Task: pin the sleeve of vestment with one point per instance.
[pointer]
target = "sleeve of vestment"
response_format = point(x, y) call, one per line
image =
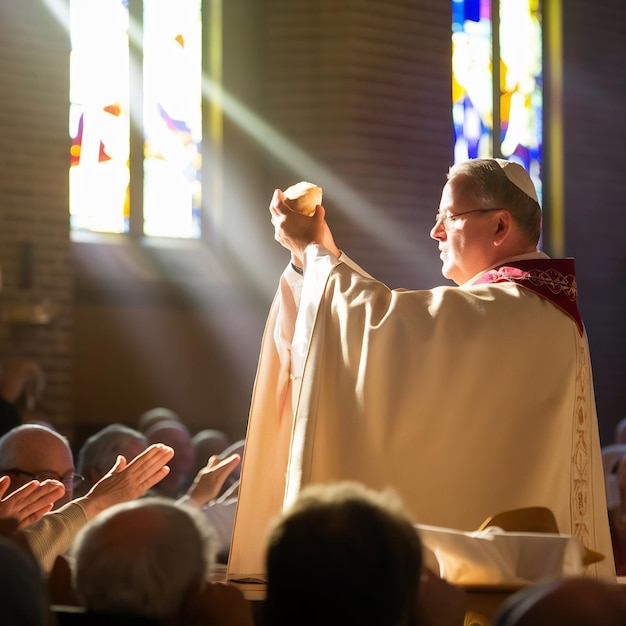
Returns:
point(53, 534)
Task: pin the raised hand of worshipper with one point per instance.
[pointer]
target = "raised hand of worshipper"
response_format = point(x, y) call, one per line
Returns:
point(209, 480)
point(30, 502)
point(127, 481)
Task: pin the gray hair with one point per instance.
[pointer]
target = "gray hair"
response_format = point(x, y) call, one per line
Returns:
point(141, 558)
point(100, 451)
point(491, 188)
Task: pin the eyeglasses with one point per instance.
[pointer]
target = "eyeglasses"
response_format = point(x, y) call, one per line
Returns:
point(70, 479)
point(447, 219)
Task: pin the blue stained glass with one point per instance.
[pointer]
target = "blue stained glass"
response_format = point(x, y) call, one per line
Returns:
point(472, 10)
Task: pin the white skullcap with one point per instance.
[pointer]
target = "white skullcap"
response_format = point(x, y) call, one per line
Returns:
point(519, 177)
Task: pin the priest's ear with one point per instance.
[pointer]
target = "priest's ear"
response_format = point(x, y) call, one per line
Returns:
point(502, 226)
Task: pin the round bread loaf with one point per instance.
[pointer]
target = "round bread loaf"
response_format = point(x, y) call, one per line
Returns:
point(303, 197)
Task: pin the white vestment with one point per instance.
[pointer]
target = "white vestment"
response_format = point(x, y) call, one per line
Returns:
point(467, 401)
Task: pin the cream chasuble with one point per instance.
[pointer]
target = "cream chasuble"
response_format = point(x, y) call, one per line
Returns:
point(467, 401)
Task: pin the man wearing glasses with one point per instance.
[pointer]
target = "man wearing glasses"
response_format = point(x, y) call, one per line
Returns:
point(467, 400)
point(33, 452)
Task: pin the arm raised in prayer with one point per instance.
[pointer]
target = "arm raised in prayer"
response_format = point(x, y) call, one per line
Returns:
point(127, 480)
point(209, 480)
point(30, 502)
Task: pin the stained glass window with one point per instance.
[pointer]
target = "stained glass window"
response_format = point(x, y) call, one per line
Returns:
point(509, 32)
point(167, 122)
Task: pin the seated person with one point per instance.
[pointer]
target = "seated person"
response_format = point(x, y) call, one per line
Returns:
point(175, 434)
point(154, 416)
point(35, 452)
point(614, 466)
point(28, 503)
point(571, 601)
point(344, 554)
point(21, 592)
point(99, 452)
point(152, 559)
point(205, 444)
point(218, 506)
point(32, 451)
point(22, 384)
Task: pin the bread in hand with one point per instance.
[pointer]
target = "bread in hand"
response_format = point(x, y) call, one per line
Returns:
point(303, 197)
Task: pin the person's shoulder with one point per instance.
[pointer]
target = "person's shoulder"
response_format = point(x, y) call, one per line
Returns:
point(9, 416)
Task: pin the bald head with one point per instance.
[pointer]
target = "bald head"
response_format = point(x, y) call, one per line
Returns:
point(32, 450)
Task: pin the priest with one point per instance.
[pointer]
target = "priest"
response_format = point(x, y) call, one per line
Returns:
point(468, 400)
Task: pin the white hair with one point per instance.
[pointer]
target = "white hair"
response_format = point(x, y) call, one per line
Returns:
point(142, 558)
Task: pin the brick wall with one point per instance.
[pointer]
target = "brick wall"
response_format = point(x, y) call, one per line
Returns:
point(34, 241)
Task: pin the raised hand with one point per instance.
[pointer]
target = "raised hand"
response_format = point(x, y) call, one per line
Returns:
point(30, 502)
point(127, 481)
point(209, 480)
point(295, 231)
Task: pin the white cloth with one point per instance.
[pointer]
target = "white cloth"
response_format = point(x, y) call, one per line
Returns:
point(495, 557)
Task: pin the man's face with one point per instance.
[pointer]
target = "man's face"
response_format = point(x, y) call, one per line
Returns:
point(41, 452)
point(465, 242)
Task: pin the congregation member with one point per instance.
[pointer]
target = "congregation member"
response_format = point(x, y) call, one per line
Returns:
point(152, 560)
point(468, 400)
point(33, 452)
point(22, 594)
point(30, 502)
point(614, 465)
point(205, 444)
point(344, 554)
point(99, 452)
point(155, 415)
point(22, 382)
point(567, 602)
point(176, 435)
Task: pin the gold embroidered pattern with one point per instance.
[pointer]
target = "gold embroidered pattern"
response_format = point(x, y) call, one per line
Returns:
point(581, 465)
point(554, 281)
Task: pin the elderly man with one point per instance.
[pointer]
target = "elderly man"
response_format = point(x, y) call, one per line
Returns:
point(32, 452)
point(151, 559)
point(467, 400)
point(97, 455)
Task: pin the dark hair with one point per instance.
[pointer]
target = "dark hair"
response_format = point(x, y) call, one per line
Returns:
point(342, 554)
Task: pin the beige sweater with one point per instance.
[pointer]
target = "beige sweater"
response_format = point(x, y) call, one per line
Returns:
point(54, 533)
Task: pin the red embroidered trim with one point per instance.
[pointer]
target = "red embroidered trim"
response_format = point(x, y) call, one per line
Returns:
point(552, 279)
